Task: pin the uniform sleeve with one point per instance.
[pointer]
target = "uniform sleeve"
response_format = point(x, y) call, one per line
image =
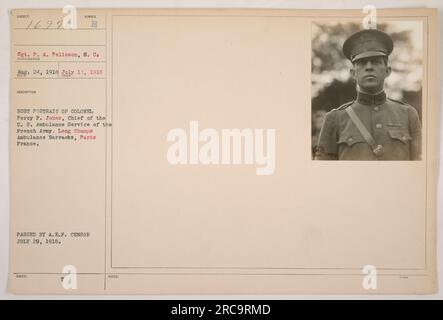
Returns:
point(327, 148)
point(415, 131)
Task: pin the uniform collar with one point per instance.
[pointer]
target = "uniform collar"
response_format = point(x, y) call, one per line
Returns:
point(371, 99)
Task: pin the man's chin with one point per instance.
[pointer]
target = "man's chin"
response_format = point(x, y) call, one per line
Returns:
point(370, 87)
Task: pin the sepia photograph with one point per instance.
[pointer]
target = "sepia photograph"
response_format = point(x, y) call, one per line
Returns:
point(159, 152)
point(366, 91)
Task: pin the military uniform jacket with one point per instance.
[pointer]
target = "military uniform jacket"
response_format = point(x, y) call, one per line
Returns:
point(393, 125)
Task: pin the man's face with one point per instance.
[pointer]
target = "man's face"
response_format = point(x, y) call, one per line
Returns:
point(370, 73)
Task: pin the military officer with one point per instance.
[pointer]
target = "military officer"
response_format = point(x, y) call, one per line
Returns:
point(372, 127)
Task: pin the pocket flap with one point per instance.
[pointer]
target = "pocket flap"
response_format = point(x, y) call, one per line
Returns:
point(401, 135)
point(351, 139)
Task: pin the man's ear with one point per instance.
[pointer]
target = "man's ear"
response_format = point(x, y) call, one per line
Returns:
point(388, 71)
point(352, 72)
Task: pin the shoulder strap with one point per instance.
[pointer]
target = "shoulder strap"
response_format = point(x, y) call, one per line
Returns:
point(344, 105)
point(398, 101)
point(376, 148)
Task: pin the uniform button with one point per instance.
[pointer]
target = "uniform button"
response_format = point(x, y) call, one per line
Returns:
point(376, 108)
point(378, 126)
point(350, 139)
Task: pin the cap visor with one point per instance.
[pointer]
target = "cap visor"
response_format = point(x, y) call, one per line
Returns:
point(368, 54)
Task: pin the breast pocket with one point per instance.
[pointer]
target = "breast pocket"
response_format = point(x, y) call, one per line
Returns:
point(350, 138)
point(400, 135)
point(399, 146)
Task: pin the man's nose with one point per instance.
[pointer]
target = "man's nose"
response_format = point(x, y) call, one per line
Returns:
point(368, 65)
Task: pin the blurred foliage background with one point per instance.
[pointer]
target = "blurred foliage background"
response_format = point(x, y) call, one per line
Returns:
point(332, 84)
